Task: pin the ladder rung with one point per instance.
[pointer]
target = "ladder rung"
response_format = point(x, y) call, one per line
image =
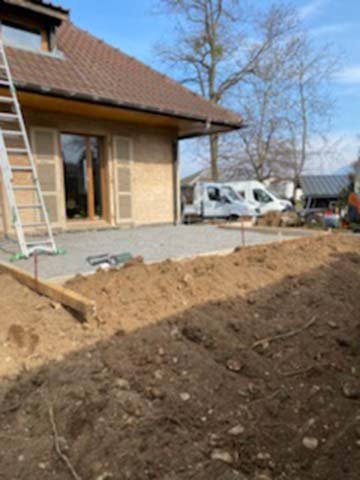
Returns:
point(29, 206)
point(24, 187)
point(36, 224)
point(20, 168)
point(8, 117)
point(13, 133)
point(45, 242)
point(16, 150)
point(7, 99)
point(4, 82)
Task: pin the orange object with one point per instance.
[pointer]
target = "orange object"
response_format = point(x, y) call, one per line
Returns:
point(354, 201)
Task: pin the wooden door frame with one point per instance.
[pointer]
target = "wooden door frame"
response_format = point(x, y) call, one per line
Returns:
point(89, 172)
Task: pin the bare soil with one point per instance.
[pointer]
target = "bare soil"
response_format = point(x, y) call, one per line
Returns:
point(239, 367)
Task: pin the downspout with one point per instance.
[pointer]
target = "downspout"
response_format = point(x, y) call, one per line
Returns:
point(176, 183)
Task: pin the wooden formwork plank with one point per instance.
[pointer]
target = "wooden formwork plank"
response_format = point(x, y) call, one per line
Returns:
point(68, 298)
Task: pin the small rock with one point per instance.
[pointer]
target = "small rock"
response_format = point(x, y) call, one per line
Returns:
point(122, 384)
point(187, 279)
point(42, 466)
point(222, 456)
point(161, 352)
point(332, 325)
point(351, 390)
point(175, 333)
point(234, 365)
point(237, 430)
point(21, 458)
point(263, 456)
point(311, 443)
point(262, 476)
point(155, 393)
point(105, 476)
point(158, 374)
point(185, 397)
point(63, 444)
point(40, 306)
point(55, 305)
point(215, 440)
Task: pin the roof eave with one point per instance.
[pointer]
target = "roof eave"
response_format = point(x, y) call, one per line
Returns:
point(211, 126)
point(59, 14)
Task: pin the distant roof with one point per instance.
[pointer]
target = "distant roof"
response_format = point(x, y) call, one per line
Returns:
point(225, 175)
point(91, 70)
point(323, 185)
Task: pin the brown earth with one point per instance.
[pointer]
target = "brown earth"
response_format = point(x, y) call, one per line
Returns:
point(174, 380)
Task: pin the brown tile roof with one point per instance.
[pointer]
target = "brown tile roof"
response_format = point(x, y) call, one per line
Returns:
point(92, 70)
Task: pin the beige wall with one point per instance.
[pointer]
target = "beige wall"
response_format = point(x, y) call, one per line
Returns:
point(152, 164)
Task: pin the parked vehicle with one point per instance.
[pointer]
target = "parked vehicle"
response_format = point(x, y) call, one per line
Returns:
point(256, 194)
point(215, 200)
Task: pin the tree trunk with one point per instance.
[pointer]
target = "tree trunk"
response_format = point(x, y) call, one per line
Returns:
point(214, 151)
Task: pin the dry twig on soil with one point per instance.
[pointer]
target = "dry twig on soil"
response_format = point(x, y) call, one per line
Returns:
point(58, 450)
point(284, 336)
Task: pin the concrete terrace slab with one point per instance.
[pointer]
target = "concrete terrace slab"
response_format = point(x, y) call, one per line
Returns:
point(152, 243)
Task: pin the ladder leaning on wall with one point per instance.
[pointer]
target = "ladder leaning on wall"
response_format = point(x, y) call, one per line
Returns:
point(20, 179)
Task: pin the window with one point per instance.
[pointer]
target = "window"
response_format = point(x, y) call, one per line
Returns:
point(241, 193)
point(261, 196)
point(82, 175)
point(230, 194)
point(214, 194)
point(19, 36)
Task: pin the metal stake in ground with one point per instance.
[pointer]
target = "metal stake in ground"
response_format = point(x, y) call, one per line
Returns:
point(243, 233)
point(36, 266)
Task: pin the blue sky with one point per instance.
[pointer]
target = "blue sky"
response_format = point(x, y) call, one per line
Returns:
point(133, 26)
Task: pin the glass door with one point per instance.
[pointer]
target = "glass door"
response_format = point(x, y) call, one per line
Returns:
point(82, 176)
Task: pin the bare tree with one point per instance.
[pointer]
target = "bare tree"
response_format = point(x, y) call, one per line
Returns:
point(219, 44)
point(287, 106)
point(309, 104)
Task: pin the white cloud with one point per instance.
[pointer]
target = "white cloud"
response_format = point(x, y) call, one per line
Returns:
point(312, 8)
point(331, 29)
point(349, 75)
point(341, 150)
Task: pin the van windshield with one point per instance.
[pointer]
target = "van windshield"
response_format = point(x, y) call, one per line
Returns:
point(231, 194)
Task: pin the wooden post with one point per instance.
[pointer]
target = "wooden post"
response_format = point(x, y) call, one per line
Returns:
point(85, 307)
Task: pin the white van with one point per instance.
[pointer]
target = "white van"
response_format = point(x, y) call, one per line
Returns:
point(257, 194)
point(216, 200)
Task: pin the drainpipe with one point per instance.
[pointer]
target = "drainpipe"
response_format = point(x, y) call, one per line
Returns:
point(176, 183)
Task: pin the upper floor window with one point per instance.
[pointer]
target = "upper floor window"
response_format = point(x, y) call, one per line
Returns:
point(19, 36)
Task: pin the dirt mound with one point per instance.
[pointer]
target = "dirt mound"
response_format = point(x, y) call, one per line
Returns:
point(280, 219)
point(255, 377)
point(135, 297)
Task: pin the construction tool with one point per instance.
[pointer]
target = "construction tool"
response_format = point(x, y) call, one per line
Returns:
point(15, 132)
point(110, 260)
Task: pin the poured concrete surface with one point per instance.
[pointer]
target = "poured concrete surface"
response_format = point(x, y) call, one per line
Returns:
point(152, 243)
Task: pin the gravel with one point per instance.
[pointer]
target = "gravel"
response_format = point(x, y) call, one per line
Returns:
point(152, 243)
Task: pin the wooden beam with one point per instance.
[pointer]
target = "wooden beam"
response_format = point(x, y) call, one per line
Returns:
point(85, 307)
point(90, 180)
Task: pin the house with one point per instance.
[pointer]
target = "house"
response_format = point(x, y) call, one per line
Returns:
point(104, 128)
point(226, 174)
point(322, 191)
